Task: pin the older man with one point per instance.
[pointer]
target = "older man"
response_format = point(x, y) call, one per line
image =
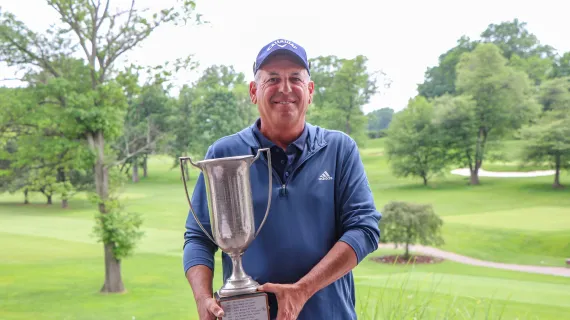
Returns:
point(322, 221)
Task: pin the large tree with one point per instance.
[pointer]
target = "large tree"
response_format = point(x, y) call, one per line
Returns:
point(503, 101)
point(342, 88)
point(440, 79)
point(412, 143)
point(103, 35)
point(548, 140)
point(518, 45)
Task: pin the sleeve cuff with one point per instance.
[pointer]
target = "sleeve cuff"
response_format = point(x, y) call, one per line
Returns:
point(360, 242)
point(195, 254)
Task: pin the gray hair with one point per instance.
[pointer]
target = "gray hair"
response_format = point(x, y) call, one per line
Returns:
point(256, 77)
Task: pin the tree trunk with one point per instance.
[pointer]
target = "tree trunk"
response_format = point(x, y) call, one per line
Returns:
point(145, 164)
point(135, 170)
point(474, 176)
point(48, 199)
point(479, 150)
point(407, 253)
point(26, 200)
point(556, 183)
point(425, 180)
point(113, 280)
point(61, 178)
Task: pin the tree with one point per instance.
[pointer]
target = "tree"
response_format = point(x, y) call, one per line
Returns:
point(440, 79)
point(412, 143)
point(379, 120)
point(503, 99)
point(216, 105)
point(405, 223)
point(561, 67)
point(343, 87)
point(513, 38)
point(103, 37)
point(549, 139)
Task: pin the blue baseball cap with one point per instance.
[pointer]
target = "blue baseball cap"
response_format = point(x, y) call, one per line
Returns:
point(281, 45)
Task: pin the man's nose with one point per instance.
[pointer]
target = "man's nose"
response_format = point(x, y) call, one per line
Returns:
point(285, 86)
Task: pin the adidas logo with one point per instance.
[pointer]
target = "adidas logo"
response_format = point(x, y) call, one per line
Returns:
point(325, 176)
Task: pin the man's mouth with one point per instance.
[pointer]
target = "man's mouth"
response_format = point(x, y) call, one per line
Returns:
point(283, 102)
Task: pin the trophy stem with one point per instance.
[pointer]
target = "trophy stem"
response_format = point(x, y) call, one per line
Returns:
point(238, 282)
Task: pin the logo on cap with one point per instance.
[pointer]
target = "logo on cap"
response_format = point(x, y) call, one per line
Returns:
point(281, 43)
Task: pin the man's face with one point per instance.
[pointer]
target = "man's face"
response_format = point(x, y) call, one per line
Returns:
point(282, 92)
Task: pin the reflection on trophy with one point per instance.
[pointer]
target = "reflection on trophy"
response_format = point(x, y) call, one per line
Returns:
point(232, 222)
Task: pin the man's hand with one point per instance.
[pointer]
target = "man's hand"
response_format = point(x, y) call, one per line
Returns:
point(290, 299)
point(208, 309)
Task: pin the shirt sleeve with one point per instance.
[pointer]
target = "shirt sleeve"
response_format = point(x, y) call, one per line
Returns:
point(198, 248)
point(358, 215)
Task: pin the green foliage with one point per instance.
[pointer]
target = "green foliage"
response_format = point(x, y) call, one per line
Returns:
point(413, 145)
point(380, 119)
point(548, 140)
point(440, 79)
point(406, 223)
point(119, 228)
point(503, 102)
point(342, 88)
point(217, 105)
point(517, 45)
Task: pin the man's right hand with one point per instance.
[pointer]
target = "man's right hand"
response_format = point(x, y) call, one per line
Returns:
point(209, 309)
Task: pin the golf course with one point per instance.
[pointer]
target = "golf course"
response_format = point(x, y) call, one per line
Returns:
point(51, 267)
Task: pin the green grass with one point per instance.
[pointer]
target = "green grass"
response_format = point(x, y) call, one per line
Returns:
point(51, 268)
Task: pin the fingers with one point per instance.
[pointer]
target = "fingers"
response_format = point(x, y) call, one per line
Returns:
point(215, 309)
point(268, 287)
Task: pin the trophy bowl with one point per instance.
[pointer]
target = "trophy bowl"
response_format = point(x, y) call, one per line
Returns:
point(230, 206)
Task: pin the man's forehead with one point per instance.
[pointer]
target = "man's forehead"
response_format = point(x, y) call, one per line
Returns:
point(283, 63)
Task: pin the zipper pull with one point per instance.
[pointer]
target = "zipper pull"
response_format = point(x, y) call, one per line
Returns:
point(283, 190)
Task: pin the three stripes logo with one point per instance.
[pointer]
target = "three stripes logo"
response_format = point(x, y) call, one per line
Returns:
point(325, 176)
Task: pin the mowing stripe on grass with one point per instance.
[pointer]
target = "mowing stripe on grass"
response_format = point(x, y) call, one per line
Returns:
point(166, 242)
point(542, 218)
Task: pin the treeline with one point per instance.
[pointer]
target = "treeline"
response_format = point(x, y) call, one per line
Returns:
point(505, 85)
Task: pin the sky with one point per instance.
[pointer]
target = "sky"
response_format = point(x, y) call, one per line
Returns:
point(400, 38)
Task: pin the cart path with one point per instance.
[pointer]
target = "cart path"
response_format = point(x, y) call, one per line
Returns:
point(555, 271)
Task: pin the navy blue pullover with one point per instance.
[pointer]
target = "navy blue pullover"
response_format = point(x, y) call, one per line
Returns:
point(326, 199)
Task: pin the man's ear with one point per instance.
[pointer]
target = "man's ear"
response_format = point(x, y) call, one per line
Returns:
point(253, 92)
point(311, 91)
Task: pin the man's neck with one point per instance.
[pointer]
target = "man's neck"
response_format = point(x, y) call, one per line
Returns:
point(282, 136)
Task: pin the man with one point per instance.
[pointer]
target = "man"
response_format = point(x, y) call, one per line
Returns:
point(322, 220)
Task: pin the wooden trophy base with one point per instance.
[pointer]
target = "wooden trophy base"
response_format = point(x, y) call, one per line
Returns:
point(253, 306)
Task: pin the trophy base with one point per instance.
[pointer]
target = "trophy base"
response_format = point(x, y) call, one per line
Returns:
point(235, 287)
point(252, 306)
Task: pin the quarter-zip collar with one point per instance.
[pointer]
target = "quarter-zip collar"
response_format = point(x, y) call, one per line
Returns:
point(315, 138)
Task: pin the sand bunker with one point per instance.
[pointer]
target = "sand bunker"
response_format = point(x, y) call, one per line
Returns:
point(482, 173)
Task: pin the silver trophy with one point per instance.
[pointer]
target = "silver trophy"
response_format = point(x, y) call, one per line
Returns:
point(230, 207)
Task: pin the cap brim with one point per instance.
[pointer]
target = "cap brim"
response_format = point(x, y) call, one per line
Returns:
point(284, 51)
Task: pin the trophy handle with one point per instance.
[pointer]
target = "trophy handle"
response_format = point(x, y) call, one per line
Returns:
point(182, 159)
point(270, 185)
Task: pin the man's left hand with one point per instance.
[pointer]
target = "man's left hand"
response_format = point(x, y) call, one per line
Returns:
point(290, 299)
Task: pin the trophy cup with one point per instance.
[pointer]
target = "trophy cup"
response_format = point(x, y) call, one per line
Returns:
point(230, 207)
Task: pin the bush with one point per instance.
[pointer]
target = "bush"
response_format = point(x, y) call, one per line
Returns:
point(410, 223)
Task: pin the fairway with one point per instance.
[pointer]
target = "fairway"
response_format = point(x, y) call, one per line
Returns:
point(541, 218)
point(52, 268)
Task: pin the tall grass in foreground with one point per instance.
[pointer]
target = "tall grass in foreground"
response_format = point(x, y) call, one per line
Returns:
point(398, 298)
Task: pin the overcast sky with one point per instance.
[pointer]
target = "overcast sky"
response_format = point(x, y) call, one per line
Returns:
point(402, 38)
